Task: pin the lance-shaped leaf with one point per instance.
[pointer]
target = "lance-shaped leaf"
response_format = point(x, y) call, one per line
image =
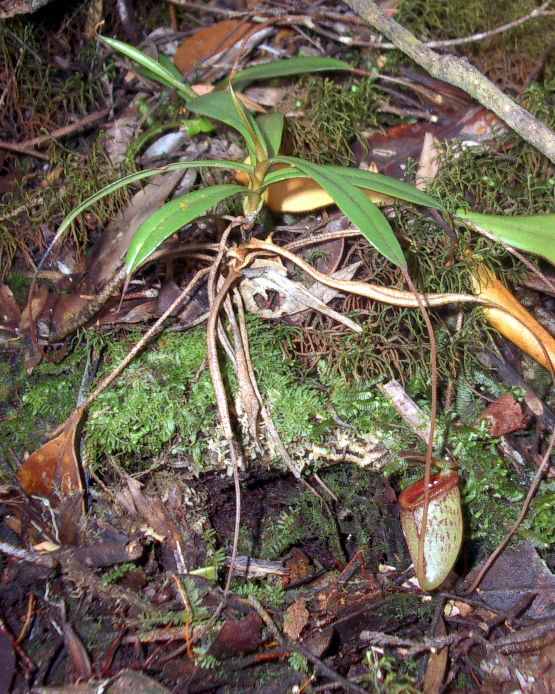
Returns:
point(534, 234)
point(290, 66)
point(358, 208)
point(171, 217)
point(134, 178)
point(154, 69)
point(220, 106)
point(386, 185)
point(271, 127)
point(261, 148)
point(283, 174)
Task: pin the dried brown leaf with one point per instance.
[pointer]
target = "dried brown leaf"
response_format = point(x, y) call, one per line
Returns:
point(210, 43)
point(54, 469)
point(296, 618)
point(437, 664)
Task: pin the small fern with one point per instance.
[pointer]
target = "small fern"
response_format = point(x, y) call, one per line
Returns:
point(117, 572)
point(204, 659)
point(267, 593)
point(298, 662)
point(285, 531)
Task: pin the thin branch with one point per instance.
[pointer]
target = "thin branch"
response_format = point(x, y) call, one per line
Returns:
point(60, 132)
point(138, 347)
point(22, 149)
point(541, 11)
point(460, 73)
point(32, 557)
point(291, 645)
point(533, 488)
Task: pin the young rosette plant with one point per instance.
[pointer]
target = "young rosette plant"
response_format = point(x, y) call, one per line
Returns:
point(351, 189)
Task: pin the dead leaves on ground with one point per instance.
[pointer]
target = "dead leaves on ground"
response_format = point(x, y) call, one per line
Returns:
point(54, 469)
point(215, 42)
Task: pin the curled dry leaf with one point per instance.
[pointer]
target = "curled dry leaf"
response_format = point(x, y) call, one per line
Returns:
point(210, 44)
point(514, 322)
point(54, 469)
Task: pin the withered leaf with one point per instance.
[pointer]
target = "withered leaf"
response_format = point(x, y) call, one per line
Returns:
point(54, 469)
point(296, 618)
point(208, 44)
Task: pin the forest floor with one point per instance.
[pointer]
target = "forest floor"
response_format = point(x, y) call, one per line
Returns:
point(147, 545)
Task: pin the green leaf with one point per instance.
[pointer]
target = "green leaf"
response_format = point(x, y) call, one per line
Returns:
point(387, 186)
point(171, 217)
point(169, 65)
point(261, 148)
point(282, 175)
point(367, 180)
point(195, 126)
point(220, 106)
point(155, 69)
point(359, 209)
point(134, 178)
point(290, 66)
point(271, 127)
point(534, 234)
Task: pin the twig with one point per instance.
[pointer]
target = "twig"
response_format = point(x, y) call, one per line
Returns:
point(541, 11)
point(460, 73)
point(414, 647)
point(532, 638)
point(26, 46)
point(407, 408)
point(138, 347)
point(533, 488)
point(25, 659)
point(92, 307)
point(21, 149)
point(32, 557)
point(60, 132)
point(286, 643)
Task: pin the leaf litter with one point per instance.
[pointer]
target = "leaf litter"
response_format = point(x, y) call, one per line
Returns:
point(181, 526)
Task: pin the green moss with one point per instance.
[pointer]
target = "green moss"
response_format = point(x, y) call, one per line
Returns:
point(507, 58)
point(37, 404)
point(158, 399)
point(5, 380)
point(400, 606)
point(334, 115)
point(159, 404)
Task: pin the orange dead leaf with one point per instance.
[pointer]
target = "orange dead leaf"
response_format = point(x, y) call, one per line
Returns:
point(37, 303)
point(437, 665)
point(220, 37)
point(515, 323)
point(54, 467)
